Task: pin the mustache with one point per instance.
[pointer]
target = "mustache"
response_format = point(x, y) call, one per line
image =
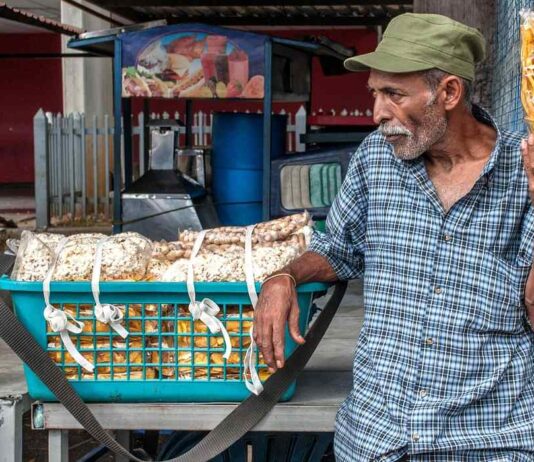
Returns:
point(387, 130)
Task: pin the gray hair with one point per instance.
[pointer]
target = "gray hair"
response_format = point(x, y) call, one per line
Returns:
point(433, 77)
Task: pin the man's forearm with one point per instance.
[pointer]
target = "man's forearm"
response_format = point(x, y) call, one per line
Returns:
point(310, 266)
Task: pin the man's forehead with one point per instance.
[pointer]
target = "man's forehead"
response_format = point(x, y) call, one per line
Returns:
point(378, 79)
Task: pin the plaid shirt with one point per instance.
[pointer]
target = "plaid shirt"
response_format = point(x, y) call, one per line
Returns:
point(445, 358)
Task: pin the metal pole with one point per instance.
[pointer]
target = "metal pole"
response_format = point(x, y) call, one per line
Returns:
point(11, 412)
point(188, 123)
point(106, 165)
point(267, 108)
point(146, 138)
point(128, 158)
point(58, 445)
point(117, 112)
point(141, 144)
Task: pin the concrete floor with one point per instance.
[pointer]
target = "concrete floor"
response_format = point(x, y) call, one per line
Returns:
point(17, 203)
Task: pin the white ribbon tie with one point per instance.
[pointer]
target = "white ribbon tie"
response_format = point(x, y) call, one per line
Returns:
point(206, 310)
point(105, 313)
point(58, 320)
point(254, 384)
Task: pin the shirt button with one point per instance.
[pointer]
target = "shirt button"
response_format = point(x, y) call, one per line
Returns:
point(447, 237)
point(422, 393)
point(437, 290)
point(429, 341)
point(415, 437)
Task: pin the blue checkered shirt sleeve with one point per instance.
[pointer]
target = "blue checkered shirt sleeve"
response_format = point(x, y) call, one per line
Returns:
point(343, 241)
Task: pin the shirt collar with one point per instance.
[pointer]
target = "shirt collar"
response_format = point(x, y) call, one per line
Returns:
point(484, 116)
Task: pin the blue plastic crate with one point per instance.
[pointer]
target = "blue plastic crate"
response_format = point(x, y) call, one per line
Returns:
point(148, 366)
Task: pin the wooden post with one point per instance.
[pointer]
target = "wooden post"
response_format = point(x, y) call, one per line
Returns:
point(40, 154)
point(300, 128)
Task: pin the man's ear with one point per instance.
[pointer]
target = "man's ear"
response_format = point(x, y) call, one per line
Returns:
point(453, 91)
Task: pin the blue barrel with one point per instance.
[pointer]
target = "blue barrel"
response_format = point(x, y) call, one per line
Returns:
point(237, 162)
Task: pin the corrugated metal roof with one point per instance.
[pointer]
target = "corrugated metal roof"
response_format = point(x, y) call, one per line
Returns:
point(257, 12)
point(42, 22)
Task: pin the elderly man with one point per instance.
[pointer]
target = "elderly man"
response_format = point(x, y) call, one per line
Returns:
point(435, 214)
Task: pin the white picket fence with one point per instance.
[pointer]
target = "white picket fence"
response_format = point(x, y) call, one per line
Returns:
point(73, 155)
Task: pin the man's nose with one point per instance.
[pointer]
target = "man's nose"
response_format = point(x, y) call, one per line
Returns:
point(381, 112)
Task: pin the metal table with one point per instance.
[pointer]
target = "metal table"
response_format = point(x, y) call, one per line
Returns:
point(322, 386)
point(14, 402)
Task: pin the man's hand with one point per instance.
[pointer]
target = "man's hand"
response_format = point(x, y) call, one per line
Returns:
point(277, 304)
point(527, 151)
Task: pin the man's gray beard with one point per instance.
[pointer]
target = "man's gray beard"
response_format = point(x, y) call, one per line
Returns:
point(431, 130)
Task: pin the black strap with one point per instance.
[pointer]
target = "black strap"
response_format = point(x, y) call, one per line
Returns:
point(242, 419)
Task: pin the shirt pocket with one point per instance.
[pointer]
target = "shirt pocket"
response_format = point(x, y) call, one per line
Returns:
point(498, 296)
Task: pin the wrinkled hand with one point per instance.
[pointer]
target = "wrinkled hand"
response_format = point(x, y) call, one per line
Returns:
point(529, 301)
point(527, 151)
point(277, 304)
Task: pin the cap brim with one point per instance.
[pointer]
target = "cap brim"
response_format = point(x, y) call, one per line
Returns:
point(384, 62)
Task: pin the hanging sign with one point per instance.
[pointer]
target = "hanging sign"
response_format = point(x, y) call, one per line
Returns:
point(193, 61)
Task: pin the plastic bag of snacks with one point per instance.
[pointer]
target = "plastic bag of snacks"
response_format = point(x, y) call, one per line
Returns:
point(124, 256)
point(221, 257)
point(132, 257)
point(527, 66)
point(76, 258)
point(34, 255)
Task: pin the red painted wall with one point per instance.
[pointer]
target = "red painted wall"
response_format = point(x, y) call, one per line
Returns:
point(26, 85)
point(30, 84)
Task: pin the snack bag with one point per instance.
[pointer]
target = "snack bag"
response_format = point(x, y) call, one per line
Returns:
point(34, 256)
point(527, 66)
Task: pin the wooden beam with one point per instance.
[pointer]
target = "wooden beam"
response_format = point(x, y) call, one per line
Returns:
point(31, 19)
point(237, 3)
point(94, 13)
point(286, 20)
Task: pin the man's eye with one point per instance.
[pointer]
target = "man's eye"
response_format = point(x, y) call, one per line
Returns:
point(394, 96)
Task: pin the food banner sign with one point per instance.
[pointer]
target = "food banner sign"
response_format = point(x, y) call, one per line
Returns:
point(192, 61)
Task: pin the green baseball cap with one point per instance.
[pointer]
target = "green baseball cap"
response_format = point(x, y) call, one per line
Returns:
point(417, 42)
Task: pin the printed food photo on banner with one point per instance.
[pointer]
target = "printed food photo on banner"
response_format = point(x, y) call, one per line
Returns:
point(193, 64)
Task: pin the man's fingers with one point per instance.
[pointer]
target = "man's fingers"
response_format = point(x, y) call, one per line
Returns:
point(294, 322)
point(278, 343)
point(530, 313)
point(526, 157)
point(257, 326)
point(267, 345)
point(527, 150)
point(527, 153)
